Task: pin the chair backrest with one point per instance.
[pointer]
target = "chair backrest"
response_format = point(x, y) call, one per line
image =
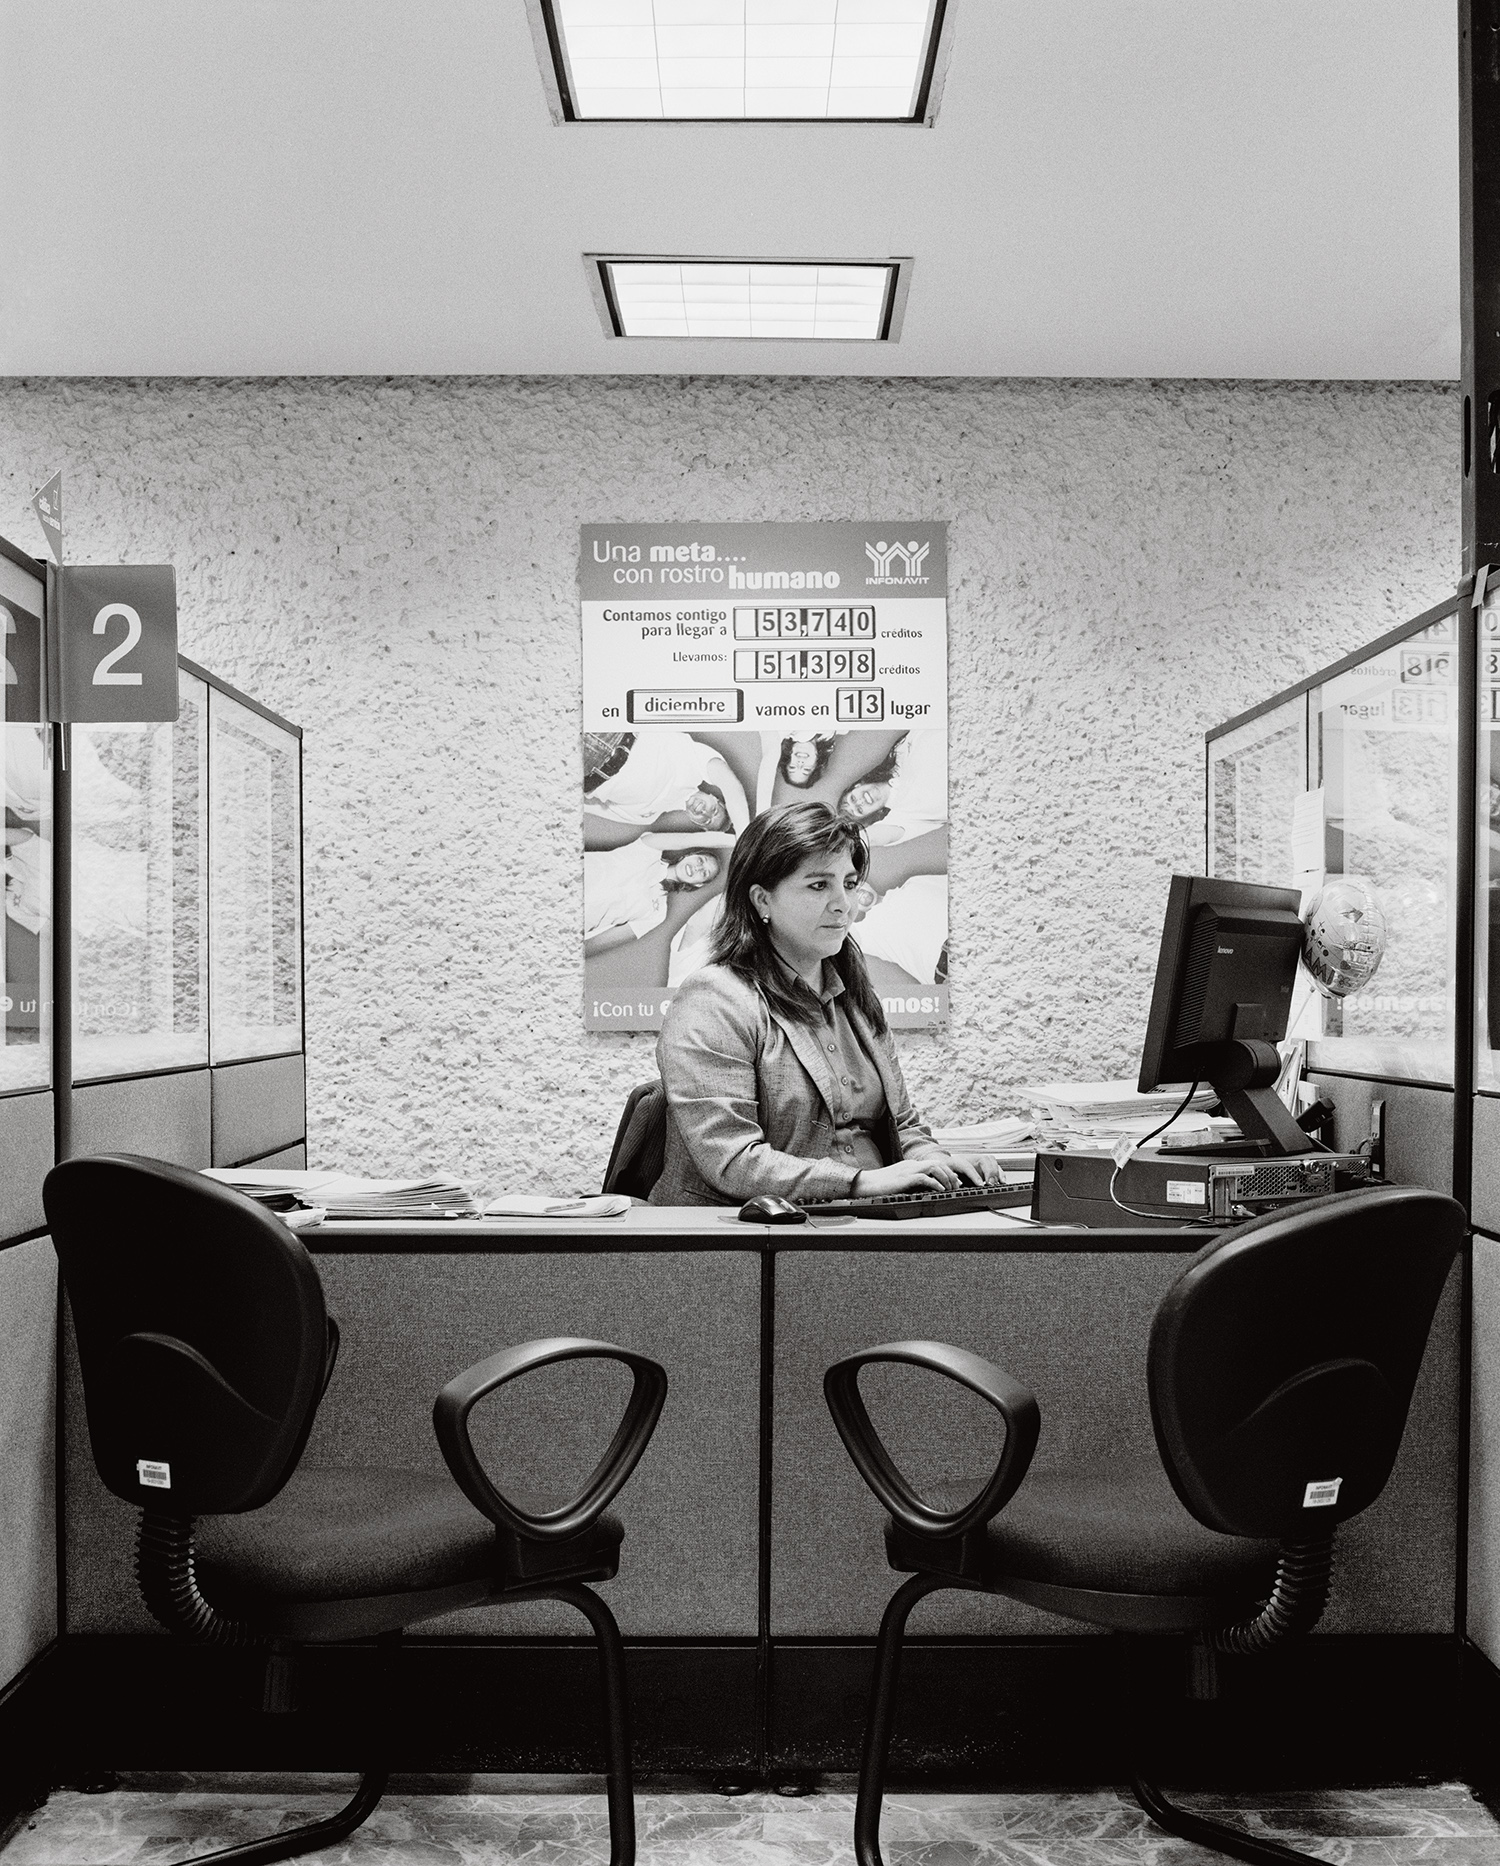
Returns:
point(640, 1149)
point(202, 1334)
point(1282, 1360)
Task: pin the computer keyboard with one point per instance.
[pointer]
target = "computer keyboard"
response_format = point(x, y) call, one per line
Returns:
point(922, 1204)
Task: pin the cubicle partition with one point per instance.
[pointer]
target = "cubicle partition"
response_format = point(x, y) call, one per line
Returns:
point(1385, 769)
point(180, 934)
point(28, 1269)
point(152, 1003)
point(753, 1577)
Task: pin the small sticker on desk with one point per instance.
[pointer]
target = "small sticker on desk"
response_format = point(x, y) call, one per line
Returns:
point(1185, 1192)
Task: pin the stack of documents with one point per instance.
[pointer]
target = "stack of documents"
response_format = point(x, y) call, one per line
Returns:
point(1097, 1114)
point(1004, 1134)
point(342, 1195)
point(538, 1205)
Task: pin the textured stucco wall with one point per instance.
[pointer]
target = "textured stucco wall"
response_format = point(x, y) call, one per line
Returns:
point(391, 563)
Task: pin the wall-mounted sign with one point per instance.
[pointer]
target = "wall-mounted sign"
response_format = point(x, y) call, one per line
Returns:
point(728, 669)
point(112, 656)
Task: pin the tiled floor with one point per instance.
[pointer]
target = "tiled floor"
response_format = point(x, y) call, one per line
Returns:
point(506, 1819)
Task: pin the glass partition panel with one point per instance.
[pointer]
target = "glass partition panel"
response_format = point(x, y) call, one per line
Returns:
point(139, 893)
point(256, 933)
point(1255, 775)
point(1487, 929)
point(26, 924)
point(1385, 750)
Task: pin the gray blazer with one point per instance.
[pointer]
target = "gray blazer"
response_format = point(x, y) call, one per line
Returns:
point(750, 1099)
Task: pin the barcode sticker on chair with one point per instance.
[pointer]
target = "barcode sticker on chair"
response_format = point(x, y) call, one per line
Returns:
point(153, 1476)
point(1321, 1496)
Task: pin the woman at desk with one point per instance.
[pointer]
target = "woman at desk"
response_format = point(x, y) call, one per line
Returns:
point(778, 1065)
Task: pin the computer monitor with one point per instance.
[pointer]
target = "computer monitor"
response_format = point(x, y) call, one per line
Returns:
point(1224, 978)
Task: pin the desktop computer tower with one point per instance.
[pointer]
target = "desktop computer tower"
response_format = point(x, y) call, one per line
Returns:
point(1073, 1187)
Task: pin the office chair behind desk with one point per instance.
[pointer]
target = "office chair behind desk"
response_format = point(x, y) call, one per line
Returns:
point(205, 1349)
point(1280, 1371)
point(640, 1150)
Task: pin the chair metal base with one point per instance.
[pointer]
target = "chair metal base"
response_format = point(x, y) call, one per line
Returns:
point(877, 1745)
point(1207, 1833)
point(619, 1786)
point(618, 1782)
point(287, 1845)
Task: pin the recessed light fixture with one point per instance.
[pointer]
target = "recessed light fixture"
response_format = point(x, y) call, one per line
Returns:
point(741, 60)
point(855, 301)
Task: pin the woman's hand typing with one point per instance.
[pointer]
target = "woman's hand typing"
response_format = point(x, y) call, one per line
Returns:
point(930, 1174)
point(980, 1169)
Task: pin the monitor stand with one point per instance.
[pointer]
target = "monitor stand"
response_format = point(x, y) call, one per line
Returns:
point(1243, 1073)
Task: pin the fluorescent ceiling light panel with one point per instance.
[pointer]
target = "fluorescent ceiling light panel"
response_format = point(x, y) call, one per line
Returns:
point(738, 60)
point(740, 298)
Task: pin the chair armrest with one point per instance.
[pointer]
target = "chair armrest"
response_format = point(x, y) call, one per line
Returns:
point(450, 1421)
point(1014, 1403)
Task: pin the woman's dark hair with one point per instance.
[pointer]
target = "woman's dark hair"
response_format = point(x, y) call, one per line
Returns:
point(822, 744)
point(775, 845)
point(673, 856)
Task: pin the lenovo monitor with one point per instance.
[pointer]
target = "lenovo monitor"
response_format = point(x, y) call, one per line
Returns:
point(1223, 993)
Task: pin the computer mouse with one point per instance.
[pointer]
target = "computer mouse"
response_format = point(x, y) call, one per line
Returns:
point(767, 1209)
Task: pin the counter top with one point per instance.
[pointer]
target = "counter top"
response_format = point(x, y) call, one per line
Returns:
point(711, 1228)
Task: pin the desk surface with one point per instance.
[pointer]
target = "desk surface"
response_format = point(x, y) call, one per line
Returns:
point(703, 1227)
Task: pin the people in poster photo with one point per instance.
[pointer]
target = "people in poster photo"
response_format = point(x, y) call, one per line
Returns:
point(662, 810)
point(628, 891)
point(659, 780)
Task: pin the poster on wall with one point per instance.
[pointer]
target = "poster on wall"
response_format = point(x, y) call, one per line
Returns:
point(729, 669)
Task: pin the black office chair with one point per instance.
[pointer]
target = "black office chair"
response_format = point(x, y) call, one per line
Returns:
point(1280, 1371)
point(640, 1149)
point(205, 1349)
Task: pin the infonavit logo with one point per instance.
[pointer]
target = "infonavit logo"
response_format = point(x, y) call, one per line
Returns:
point(885, 558)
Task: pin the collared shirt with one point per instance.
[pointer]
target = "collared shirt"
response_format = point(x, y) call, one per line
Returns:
point(859, 1098)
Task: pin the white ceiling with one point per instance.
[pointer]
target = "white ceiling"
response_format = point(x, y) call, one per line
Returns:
point(1251, 188)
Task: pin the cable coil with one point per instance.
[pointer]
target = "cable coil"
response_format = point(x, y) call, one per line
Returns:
point(169, 1586)
point(1303, 1573)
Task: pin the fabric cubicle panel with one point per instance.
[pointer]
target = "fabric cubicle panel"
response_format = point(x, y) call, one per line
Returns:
point(259, 1108)
point(409, 1323)
point(1074, 1327)
point(26, 1143)
point(1418, 1125)
point(1483, 1617)
point(1485, 1203)
point(28, 1387)
point(166, 1117)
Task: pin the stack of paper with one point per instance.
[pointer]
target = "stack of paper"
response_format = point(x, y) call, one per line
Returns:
point(1097, 1114)
point(537, 1205)
point(342, 1195)
point(1001, 1135)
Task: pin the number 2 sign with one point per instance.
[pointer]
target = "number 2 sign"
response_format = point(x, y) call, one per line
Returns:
point(114, 652)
